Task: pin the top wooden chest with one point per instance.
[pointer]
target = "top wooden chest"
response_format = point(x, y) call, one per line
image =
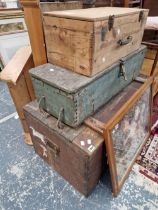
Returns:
point(88, 41)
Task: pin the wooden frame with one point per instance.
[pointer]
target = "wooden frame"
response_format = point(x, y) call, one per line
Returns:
point(16, 75)
point(106, 130)
point(33, 19)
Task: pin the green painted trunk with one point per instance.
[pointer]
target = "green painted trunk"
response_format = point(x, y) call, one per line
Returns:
point(79, 96)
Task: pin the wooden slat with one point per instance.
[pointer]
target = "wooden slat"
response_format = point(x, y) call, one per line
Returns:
point(14, 68)
point(30, 3)
point(10, 13)
point(30, 88)
point(20, 95)
point(155, 85)
point(59, 6)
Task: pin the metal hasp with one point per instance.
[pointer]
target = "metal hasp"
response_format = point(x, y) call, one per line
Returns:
point(111, 22)
point(141, 16)
point(123, 70)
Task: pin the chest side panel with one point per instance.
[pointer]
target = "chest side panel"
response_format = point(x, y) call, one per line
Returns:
point(54, 100)
point(69, 43)
point(126, 30)
point(80, 167)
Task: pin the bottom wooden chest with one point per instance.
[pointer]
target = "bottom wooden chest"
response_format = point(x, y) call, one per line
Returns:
point(76, 154)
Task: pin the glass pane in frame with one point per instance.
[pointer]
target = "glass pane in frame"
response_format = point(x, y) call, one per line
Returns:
point(130, 133)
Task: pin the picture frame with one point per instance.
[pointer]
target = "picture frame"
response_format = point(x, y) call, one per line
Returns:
point(125, 123)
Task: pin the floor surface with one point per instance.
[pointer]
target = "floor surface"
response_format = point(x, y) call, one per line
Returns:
point(28, 183)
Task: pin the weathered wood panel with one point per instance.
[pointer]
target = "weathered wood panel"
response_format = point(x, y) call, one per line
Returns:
point(33, 19)
point(58, 6)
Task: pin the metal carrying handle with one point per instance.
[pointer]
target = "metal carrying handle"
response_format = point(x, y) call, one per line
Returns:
point(126, 41)
point(61, 114)
point(40, 108)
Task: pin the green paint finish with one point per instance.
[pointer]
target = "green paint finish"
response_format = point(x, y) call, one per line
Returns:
point(81, 96)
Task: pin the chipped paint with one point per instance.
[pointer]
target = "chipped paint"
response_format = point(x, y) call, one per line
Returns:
point(38, 135)
point(82, 143)
point(44, 150)
point(89, 141)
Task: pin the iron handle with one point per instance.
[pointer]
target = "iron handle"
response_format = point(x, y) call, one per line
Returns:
point(126, 41)
point(42, 98)
point(59, 121)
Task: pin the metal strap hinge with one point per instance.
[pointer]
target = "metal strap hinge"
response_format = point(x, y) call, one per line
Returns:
point(111, 22)
point(141, 16)
point(123, 70)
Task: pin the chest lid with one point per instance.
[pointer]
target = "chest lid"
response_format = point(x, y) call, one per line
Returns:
point(94, 14)
point(69, 81)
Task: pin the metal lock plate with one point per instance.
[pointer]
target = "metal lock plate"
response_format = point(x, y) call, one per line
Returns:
point(53, 148)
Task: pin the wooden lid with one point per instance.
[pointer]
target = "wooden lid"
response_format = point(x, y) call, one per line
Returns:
point(94, 14)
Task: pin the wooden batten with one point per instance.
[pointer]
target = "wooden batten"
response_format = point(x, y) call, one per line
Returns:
point(33, 21)
point(18, 62)
point(16, 75)
point(56, 6)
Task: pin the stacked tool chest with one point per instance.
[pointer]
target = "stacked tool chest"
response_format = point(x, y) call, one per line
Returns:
point(89, 93)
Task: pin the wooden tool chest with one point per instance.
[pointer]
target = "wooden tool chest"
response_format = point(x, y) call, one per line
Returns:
point(73, 97)
point(88, 41)
point(76, 154)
